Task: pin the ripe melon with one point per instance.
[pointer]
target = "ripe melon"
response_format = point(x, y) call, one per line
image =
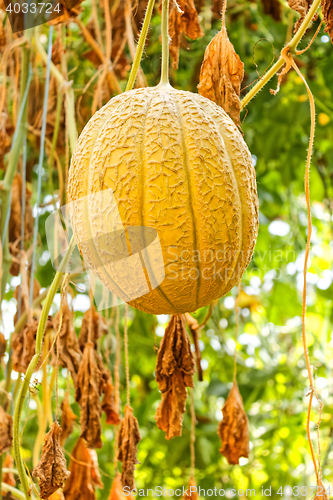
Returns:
point(177, 163)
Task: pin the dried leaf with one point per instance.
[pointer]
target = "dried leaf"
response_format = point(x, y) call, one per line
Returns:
point(191, 494)
point(14, 228)
point(195, 332)
point(17, 294)
point(52, 468)
point(108, 401)
point(186, 22)
point(321, 494)
point(84, 476)
point(23, 345)
point(327, 9)
point(87, 392)
point(128, 439)
point(6, 431)
point(8, 477)
point(221, 75)
point(234, 428)
point(272, 8)
point(70, 355)
point(92, 319)
point(302, 7)
point(174, 372)
point(3, 345)
point(68, 418)
point(68, 10)
point(117, 492)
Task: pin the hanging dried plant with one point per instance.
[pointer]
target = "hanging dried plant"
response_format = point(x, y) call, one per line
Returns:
point(107, 389)
point(17, 294)
point(221, 74)
point(128, 439)
point(183, 18)
point(93, 319)
point(87, 392)
point(191, 494)
point(3, 345)
point(84, 476)
point(327, 9)
point(272, 8)
point(14, 228)
point(51, 469)
point(23, 345)
point(6, 431)
point(117, 492)
point(302, 7)
point(195, 332)
point(70, 355)
point(68, 419)
point(174, 372)
point(234, 428)
point(321, 493)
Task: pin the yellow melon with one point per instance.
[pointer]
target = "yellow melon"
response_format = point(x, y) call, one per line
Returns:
point(177, 163)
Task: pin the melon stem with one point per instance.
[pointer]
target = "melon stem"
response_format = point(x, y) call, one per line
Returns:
point(165, 43)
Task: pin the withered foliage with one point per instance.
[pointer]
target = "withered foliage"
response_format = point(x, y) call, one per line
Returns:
point(69, 9)
point(17, 294)
point(68, 418)
point(83, 467)
point(195, 332)
point(272, 8)
point(92, 319)
point(174, 372)
point(23, 345)
point(302, 7)
point(6, 431)
point(191, 494)
point(128, 439)
point(327, 9)
point(321, 491)
point(87, 392)
point(8, 477)
point(70, 355)
point(221, 75)
point(52, 468)
point(3, 345)
point(14, 228)
point(6, 126)
point(185, 22)
point(107, 389)
point(234, 428)
point(117, 492)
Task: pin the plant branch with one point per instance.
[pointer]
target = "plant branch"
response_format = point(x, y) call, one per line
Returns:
point(281, 61)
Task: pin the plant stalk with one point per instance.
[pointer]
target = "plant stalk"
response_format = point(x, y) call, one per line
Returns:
point(281, 61)
point(165, 43)
point(141, 44)
point(31, 368)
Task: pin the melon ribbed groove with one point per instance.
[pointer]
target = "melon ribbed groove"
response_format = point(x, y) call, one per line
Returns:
point(190, 200)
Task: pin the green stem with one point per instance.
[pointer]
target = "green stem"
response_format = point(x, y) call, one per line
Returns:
point(165, 43)
point(31, 368)
point(140, 47)
point(280, 62)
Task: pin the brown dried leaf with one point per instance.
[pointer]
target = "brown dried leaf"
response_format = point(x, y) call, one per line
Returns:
point(128, 439)
point(36, 291)
point(108, 401)
point(272, 8)
point(8, 477)
point(117, 492)
point(327, 9)
point(52, 468)
point(191, 494)
point(23, 345)
point(14, 228)
point(179, 23)
point(87, 392)
point(302, 7)
point(234, 428)
point(68, 418)
point(174, 372)
point(92, 319)
point(84, 476)
point(321, 494)
point(69, 9)
point(70, 355)
point(221, 75)
point(195, 332)
point(6, 431)
point(3, 345)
